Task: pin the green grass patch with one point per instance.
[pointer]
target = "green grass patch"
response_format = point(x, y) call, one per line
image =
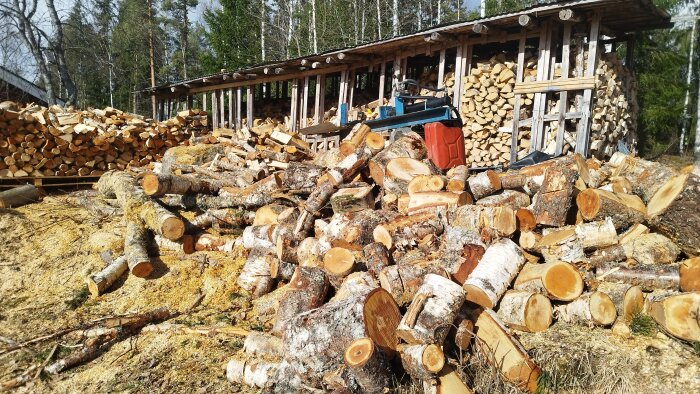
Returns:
point(643, 324)
point(79, 297)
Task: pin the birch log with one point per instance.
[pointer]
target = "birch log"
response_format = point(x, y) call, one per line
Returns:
point(422, 362)
point(496, 270)
point(251, 373)
point(628, 299)
point(557, 280)
point(136, 244)
point(157, 185)
point(368, 365)
point(99, 283)
point(409, 145)
point(525, 311)
point(255, 276)
point(673, 211)
point(403, 280)
point(624, 209)
point(593, 308)
point(308, 288)
point(678, 315)
point(484, 184)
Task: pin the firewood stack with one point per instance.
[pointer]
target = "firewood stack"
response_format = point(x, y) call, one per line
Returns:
point(487, 110)
point(368, 263)
point(38, 141)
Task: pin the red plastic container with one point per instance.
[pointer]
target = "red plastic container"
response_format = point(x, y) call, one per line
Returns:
point(445, 145)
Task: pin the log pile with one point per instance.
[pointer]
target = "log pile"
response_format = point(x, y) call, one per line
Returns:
point(367, 263)
point(38, 141)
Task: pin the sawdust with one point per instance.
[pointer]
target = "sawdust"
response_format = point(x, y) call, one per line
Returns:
point(47, 249)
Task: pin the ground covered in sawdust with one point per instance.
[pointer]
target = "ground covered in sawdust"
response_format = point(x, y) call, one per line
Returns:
point(47, 249)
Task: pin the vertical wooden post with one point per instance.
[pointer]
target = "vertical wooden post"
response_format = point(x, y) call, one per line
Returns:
point(563, 95)
point(239, 108)
point(214, 110)
point(204, 102)
point(515, 132)
point(305, 103)
point(294, 105)
point(285, 87)
point(395, 79)
point(382, 81)
point(441, 70)
point(320, 98)
point(467, 51)
point(249, 105)
point(190, 102)
point(583, 130)
point(222, 109)
point(351, 94)
point(230, 108)
point(342, 87)
point(457, 88)
point(540, 101)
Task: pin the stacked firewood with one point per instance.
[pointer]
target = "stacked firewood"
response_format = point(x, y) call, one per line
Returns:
point(38, 141)
point(367, 262)
point(487, 110)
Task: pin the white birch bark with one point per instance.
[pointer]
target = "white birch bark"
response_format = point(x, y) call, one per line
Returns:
point(496, 270)
point(395, 18)
point(313, 25)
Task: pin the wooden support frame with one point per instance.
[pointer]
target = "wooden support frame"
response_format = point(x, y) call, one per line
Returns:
point(249, 105)
point(441, 69)
point(230, 108)
point(214, 109)
point(204, 101)
point(294, 106)
point(320, 98)
point(540, 100)
point(222, 109)
point(564, 95)
point(515, 133)
point(583, 129)
point(382, 82)
point(305, 103)
point(239, 108)
point(342, 87)
point(457, 89)
point(351, 93)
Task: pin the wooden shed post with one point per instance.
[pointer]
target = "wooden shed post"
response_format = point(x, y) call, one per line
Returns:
point(239, 108)
point(190, 102)
point(342, 87)
point(305, 103)
point(395, 79)
point(540, 101)
point(230, 108)
point(515, 131)
point(320, 98)
point(457, 89)
point(204, 101)
point(441, 70)
point(382, 81)
point(351, 94)
point(214, 110)
point(249, 105)
point(583, 129)
point(222, 108)
point(563, 95)
point(294, 105)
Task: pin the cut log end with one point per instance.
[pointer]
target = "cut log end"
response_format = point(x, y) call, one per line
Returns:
point(173, 228)
point(359, 352)
point(382, 316)
point(374, 141)
point(477, 296)
point(150, 184)
point(602, 308)
point(141, 269)
point(690, 274)
point(338, 261)
point(563, 282)
point(433, 358)
point(666, 195)
point(538, 313)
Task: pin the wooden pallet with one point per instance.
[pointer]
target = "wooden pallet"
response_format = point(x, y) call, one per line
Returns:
point(56, 182)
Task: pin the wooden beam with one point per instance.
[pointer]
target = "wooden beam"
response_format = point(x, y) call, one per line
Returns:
point(239, 108)
point(342, 87)
point(305, 103)
point(515, 133)
point(539, 103)
point(480, 28)
point(555, 85)
point(351, 94)
point(564, 95)
point(204, 102)
point(382, 81)
point(320, 98)
point(441, 70)
point(249, 105)
point(214, 109)
point(230, 108)
point(457, 89)
point(527, 21)
point(294, 106)
point(568, 15)
point(583, 129)
point(222, 108)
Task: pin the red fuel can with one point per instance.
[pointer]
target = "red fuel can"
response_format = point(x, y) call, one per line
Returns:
point(445, 144)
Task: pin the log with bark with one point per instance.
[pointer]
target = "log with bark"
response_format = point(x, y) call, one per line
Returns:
point(592, 308)
point(624, 209)
point(307, 290)
point(368, 365)
point(557, 280)
point(422, 361)
point(157, 185)
point(673, 211)
point(484, 184)
point(646, 177)
point(255, 276)
point(403, 280)
point(553, 200)
point(496, 270)
point(409, 145)
point(18, 196)
point(525, 311)
point(678, 315)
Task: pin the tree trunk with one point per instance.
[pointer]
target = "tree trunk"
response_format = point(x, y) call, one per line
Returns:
point(338, 263)
point(355, 283)
point(525, 311)
point(434, 307)
point(152, 53)
point(255, 275)
point(256, 195)
point(496, 270)
point(309, 287)
point(425, 183)
point(673, 212)
point(352, 199)
point(422, 200)
point(646, 177)
point(301, 176)
point(409, 145)
point(647, 249)
point(594, 308)
point(557, 280)
point(18, 196)
point(399, 172)
point(99, 283)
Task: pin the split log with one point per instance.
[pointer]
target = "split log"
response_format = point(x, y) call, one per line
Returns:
point(405, 230)
point(422, 361)
point(400, 171)
point(315, 341)
point(525, 311)
point(355, 141)
point(553, 200)
point(265, 307)
point(18, 196)
point(376, 256)
point(624, 209)
point(596, 235)
point(258, 374)
point(434, 307)
point(254, 196)
point(525, 219)
point(557, 280)
point(282, 270)
point(673, 211)
point(301, 176)
point(99, 283)
point(403, 280)
point(136, 243)
point(338, 263)
point(461, 250)
point(262, 344)
point(135, 203)
point(352, 199)
point(255, 275)
point(593, 308)
point(689, 271)
point(647, 277)
point(490, 222)
point(504, 352)
point(646, 177)
point(633, 232)
point(258, 237)
point(422, 200)
point(509, 198)
point(375, 142)
point(267, 214)
point(157, 185)
point(628, 299)
point(496, 270)
point(562, 245)
point(368, 365)
point(409, 145)
point(355, 283)
point(678, 315)
point(648, 249)
point(309, 253)
point(484, 184)
point(447, 382)
point(425, 183)
point(353, 228)
point(457, 178)
point(308, 288)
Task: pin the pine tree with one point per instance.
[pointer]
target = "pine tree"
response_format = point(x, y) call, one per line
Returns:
point(233, 35)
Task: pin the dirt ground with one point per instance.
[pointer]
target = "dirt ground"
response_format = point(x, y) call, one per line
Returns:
point(47, 250)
